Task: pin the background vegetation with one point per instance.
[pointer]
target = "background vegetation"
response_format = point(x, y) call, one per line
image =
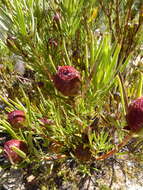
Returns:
point(103, 40)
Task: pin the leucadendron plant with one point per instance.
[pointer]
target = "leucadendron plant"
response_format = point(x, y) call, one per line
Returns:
point(79, 94)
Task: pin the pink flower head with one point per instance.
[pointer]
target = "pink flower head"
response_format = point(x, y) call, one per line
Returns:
point(46, 121)
point(16, 117)
point(10, 153)
point(57, 17)
point(135, 115)
point(67, 80)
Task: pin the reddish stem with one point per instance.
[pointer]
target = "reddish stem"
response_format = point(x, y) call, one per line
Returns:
point(126, 139)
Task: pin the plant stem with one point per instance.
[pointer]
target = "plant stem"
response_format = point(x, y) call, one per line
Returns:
point(126, 139)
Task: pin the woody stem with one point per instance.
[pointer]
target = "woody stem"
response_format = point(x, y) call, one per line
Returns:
point(126, 139)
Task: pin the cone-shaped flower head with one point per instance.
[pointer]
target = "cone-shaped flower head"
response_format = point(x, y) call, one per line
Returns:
point(16, 118)
point(10, 153)
point(67, 80)
point(135, 115)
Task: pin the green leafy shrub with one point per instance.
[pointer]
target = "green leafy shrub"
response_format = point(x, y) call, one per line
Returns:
point(99, 39)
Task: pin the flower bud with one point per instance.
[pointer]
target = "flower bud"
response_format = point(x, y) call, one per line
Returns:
point(82, 154)
point(16, 118)
point(40, 84)
point(135, 115)
point(46, 122)
point(52, 43)
point(57, 17)
point(10, 153)
point(67, 80)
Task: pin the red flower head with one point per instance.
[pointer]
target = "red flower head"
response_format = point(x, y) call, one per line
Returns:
point(16, 118)
point(135, 115)
point(10, 153)
point(67, 80)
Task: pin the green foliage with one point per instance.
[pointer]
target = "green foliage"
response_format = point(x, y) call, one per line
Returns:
point(100, 39)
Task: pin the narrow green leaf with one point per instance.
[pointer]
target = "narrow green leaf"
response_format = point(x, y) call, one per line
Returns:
point(9, 129)
point(8, 103)
point(20, 17)
point(122, 94)
point(140, 85)
point(19, 152)
point(66, 52)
